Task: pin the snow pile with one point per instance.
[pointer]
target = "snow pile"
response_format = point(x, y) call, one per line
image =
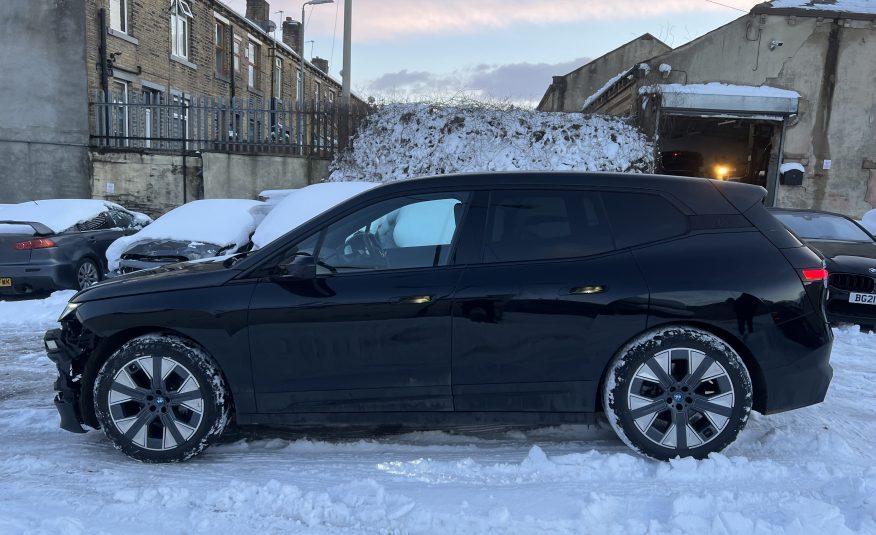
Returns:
point(718, 88)
point(227, 223)
point(840, 6)
point(58, 214)
point(302, 205)
point(665, 68)
point(402, 141)
point(869, 221)
point(33, 313)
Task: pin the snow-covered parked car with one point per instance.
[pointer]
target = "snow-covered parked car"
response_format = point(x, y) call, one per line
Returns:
point(59, 243)
point(301, 205)
point(869, 222)
point(193, 231)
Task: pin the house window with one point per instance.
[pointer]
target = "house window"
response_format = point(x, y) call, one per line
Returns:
point(181, 118)
point(331, 97)
point(180, 24)
point(152, 98)
point(119, 15)
point(119, 114)
point(317, 88)
point(278, 78)
point(253, 52)
point(236, 54)
point(220, 42)
point(298, 87)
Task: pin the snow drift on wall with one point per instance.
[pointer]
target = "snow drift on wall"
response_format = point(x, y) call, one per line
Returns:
point(409, 140)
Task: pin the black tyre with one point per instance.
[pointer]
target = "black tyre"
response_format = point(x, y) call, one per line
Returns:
point(88, 273)
point(677, 391)
point(160, 398)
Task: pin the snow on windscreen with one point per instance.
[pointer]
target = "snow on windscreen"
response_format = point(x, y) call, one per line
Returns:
point(822, 227)
point(302, 205)
point(57, 214)
point(222, 222)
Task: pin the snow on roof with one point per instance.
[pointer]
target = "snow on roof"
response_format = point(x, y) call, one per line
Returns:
point(57, 214)
point(717, 88)
point(302, 205)
point(223, 222)
point(599, 92)
point(841, 6)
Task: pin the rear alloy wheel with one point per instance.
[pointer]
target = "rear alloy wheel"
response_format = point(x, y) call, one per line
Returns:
point(161, 399)
point(678, 392)
point(87, 274)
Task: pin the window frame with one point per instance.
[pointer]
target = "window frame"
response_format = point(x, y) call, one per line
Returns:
point(221, 69)
point(487, 201)
point(268, 266)
point(278, 78)
point(236, 50)
point(123, 15)
point(253, 54)
point(180, 19)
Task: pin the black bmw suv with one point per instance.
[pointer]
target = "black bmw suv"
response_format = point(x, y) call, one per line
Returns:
point(675, 305)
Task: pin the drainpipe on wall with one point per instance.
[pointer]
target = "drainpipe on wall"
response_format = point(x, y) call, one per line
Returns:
point(104, 68)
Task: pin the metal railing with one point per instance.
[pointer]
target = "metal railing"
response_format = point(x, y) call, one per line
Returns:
point(154, 121)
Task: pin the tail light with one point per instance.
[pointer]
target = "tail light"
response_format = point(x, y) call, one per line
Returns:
point(36, 243)
point(814, 274)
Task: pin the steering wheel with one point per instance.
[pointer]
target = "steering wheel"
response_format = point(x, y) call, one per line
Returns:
point(365, 246)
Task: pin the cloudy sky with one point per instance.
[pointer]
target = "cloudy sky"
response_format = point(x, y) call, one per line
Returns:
point(502, 49)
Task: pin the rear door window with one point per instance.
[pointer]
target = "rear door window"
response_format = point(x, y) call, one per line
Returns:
point(639, 218)
point(101, 221)
point(545, 225)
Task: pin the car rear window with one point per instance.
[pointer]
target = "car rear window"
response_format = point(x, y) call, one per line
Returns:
point(544, 225)
point(813, 226)
point(638, 218)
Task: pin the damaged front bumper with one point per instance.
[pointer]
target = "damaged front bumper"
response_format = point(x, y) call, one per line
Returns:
point(67, 386)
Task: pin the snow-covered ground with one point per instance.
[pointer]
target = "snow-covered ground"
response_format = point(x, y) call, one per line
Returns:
point(410, 140)
point(811, 471)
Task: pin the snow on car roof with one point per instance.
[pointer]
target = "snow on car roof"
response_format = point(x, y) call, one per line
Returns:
point(303, 205)
point(222, 222)
point(57, 214)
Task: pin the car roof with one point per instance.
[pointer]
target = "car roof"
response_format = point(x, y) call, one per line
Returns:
point(699, 194)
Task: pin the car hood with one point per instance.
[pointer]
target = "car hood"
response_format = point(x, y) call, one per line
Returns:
point(847, 257)
point(182, 276)
point(163, 248)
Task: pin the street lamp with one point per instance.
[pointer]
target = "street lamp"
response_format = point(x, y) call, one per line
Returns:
point(301, 62)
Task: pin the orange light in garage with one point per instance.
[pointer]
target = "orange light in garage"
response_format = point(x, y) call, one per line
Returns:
point(722, 172)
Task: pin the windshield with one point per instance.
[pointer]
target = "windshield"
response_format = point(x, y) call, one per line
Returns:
point(812, 226)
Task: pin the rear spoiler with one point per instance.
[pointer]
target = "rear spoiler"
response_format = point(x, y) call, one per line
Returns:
point(38, 228)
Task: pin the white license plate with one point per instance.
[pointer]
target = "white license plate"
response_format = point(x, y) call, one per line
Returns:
point(862, 299)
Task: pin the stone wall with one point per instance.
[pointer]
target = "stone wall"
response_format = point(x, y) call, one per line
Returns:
point(44, 119)
point(153, 183)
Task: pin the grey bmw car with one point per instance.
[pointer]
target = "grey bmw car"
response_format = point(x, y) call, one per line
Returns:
point(59, 243)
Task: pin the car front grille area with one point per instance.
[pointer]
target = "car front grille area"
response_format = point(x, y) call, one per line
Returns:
point(853, 283)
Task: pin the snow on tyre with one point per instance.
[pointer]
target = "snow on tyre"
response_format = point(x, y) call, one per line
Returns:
point(677, 392)
point(160, 398)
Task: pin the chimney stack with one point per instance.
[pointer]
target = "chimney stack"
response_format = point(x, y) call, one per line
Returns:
point(258, 11)
point(321, 64)
point(292, 34)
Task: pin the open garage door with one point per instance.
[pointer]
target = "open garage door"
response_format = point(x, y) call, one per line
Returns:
point(721, 131)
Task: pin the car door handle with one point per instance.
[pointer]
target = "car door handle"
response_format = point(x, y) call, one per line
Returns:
point(415, 299)
point(587, 290)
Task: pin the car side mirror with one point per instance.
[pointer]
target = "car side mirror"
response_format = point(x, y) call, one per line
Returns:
point(301, 267)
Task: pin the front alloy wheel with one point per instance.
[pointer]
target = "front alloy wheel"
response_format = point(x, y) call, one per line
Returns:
point(678, 392)
point(160, 399)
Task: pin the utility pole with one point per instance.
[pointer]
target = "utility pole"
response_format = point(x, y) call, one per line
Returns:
point(348, 31)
